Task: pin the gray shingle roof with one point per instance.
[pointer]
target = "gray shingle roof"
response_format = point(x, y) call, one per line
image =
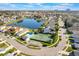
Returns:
point(76, 53)
point(76, 45)
point(76, 40)
point(75, 36)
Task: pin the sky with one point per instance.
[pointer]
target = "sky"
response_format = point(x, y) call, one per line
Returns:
point(39, 6)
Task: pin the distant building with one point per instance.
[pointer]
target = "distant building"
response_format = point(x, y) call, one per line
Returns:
point(68, 10)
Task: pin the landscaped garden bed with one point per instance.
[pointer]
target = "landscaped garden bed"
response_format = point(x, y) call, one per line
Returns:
point(41, 37)
point(8, 51)
point(45, 39)
point(21, 41)
point(69, 49)
point(22, 54)
point(33, 47)
point(3, 45)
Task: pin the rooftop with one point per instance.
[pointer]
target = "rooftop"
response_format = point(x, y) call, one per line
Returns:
point(76, 45)
point(76, 53)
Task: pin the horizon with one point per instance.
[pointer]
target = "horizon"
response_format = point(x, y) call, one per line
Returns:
point(40, 6)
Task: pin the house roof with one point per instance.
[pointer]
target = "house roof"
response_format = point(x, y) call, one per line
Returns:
point(24, 37)
point(76, 53)
point(76, 39)
point(76, 45)
point(75, 36)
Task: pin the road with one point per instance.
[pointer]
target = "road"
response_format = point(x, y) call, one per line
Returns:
point(44, 51)
point(24, 49)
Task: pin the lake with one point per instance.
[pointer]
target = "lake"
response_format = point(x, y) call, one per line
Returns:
point(29, 23)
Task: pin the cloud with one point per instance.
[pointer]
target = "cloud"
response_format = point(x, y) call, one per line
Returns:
point(13, 5)
point(36, 6)
point(66, 4)
point(33, 4)
point(7, 5)
point(62, 6)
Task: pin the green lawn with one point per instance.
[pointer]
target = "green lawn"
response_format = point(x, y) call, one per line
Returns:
point(70, 38)
point(38, 20)
point(9, 51)
point(45, 44)
point(41, 37)
point(56, 40)
point(70, 41)
point(12, 21)
point(20, 41)
point(45, 39)
point(22, 54)
point(34, 47)
point(69, 49)
point(3, 45)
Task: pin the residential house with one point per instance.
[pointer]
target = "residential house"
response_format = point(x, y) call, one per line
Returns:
point(24, 31)
point(48, 30)
point(74, 53)
point(75, 45)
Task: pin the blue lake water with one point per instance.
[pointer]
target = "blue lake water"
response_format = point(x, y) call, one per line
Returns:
point(29, 23)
